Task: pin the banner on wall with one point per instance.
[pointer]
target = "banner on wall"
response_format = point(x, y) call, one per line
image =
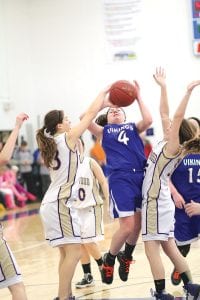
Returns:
point(196, 26)
point(121, 19)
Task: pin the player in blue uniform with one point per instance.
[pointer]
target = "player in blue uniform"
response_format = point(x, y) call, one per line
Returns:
point(185, 187)
point(125, 162)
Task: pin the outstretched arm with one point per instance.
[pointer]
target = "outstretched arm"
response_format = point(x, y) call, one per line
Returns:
point(146, 116)
point(172, 146)
point(98, 104)
point(160, 78)
point(7, 150)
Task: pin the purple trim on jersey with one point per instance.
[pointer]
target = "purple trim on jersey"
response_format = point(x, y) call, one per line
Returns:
point(4, 279)
point(58, 238)
point(12, 262)
point(94, 197)
point(170, 159)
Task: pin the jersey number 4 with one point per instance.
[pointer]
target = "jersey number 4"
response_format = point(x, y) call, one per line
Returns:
point(122, 138)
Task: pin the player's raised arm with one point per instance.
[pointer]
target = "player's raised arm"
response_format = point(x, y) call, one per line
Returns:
point(7, 150)
point(173, 142)
point(145, 113)
point(160, 79)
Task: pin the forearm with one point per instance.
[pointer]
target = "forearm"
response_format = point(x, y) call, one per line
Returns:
point(105, 190)
point(7, 150)
point(164, 107)
point(146, 117)
point(180, 111)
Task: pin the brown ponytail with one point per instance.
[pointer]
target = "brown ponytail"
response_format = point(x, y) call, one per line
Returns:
point(44, 136)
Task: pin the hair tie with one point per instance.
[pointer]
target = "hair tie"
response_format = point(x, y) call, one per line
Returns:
point(47, 134)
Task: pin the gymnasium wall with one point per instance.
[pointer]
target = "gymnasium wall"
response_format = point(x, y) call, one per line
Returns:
point(52, 55)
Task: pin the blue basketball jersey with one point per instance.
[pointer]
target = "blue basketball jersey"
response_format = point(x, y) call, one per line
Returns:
point(123, 147)
point(186, 178)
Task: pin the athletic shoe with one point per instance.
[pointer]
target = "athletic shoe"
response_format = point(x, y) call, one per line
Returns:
point(124, 265)
point(161, 296)
point(175, 277)
point(192, 289)
point(85, 282)
point(106, 271)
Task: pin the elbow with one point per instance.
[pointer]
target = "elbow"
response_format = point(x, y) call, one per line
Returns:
point(4, 161)
point(148, 122)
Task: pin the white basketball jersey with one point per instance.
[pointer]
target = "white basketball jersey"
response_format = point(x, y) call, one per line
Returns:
point(63, 171)
point(159, 169)
point(158, 207)
point(86, 187)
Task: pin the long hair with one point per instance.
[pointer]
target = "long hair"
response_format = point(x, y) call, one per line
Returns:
point(44, 136)
point(192, 146)
point(187, 131)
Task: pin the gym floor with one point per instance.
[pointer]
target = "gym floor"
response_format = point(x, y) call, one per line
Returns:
point(38, 262)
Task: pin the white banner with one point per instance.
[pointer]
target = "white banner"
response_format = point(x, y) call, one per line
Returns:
point(121, 19)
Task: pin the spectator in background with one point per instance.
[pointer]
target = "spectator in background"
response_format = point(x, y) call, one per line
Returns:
point(24, 160)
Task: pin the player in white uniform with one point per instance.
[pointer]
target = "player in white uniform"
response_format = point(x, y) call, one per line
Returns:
point(57, 143)
point(157, 207)
point(10, 275)
point(90, 179)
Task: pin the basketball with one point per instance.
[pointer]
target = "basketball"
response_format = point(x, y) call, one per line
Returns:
point(122, 93)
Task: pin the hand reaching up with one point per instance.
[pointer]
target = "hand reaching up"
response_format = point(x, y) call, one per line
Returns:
point(160, 77)
point(20, 119)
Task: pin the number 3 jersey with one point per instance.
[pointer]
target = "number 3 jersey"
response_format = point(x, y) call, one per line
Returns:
point(123, 147)
point(63, 171)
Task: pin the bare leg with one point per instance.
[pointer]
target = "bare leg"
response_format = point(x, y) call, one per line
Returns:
point(18, 291)
point(93, 250)
point(133, 237)
point(69, 257)
point(175, 256)
point(152, 250)
point(126, 227)
point(85, 257)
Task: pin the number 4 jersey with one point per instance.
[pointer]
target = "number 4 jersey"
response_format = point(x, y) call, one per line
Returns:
point(123, 147)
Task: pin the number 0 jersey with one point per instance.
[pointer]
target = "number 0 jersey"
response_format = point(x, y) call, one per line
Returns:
point(63, 171)
point(86, 187)
point(123, 147)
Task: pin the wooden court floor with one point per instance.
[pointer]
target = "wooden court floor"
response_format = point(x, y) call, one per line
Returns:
point(38, 261)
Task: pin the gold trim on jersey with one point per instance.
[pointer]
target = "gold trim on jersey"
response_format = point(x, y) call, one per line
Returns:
point(98, 213)
point(8, 265)
point(65, 219)
point(153, 194)
point(65, 189)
